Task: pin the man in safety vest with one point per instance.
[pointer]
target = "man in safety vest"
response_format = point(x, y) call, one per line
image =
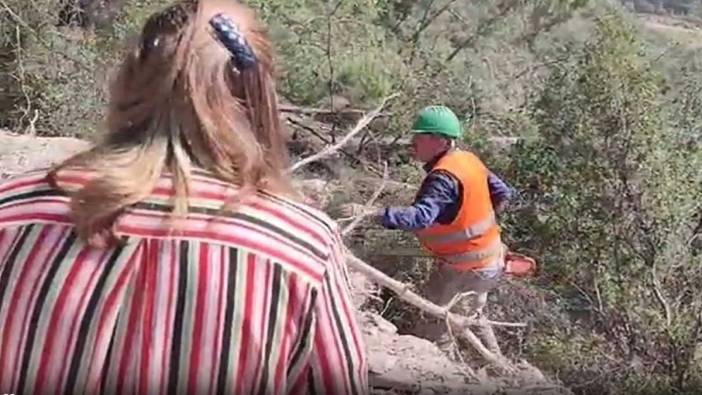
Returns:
point(453, 217)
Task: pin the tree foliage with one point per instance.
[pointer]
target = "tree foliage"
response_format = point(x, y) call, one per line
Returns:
point(613, 201)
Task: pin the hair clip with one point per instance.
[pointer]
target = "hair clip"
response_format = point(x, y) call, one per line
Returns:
point(228, 33)
point(147, 45)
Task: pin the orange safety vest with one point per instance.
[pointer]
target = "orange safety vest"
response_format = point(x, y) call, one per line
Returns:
point(472, 241)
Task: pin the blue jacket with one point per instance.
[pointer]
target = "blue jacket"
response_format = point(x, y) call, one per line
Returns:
point(438, 201)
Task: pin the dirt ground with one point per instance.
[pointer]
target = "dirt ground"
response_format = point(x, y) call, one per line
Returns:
point(21, 153)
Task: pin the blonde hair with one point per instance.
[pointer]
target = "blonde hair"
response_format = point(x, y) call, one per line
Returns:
point(177, 102)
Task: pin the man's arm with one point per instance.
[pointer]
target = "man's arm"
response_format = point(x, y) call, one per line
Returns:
point(500, 191)
point(440, 191)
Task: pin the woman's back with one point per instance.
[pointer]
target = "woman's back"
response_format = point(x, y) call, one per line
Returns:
point(247, 301)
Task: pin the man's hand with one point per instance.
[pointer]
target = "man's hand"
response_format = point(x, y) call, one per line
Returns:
point(355, 210)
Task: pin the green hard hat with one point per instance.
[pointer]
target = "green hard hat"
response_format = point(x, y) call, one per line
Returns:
point(439, 120)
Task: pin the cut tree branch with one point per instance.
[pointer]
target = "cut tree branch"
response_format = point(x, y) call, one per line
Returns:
point(459, 323)
point(369, 166)
point(330, 150)
point(404, 293)
point(288, 108)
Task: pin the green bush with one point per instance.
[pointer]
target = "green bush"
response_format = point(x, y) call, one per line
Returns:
point(611, 203)
point(58, 75)
point(358, 49)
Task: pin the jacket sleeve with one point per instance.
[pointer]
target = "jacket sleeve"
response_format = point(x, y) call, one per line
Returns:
point(439, 192)
point(500, 191)
point(335, 359)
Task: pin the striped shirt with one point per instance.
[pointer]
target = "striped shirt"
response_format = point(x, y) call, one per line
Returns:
point(251, 301)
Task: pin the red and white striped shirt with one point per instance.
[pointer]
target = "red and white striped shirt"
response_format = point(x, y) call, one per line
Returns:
point(252, 301)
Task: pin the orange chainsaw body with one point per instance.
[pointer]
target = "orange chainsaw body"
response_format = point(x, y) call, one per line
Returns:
point(518, 265)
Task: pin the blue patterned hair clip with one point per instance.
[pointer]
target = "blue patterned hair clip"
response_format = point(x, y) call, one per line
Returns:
point(231, 37)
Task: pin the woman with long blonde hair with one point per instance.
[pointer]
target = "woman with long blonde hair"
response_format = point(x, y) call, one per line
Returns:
point(172, 257)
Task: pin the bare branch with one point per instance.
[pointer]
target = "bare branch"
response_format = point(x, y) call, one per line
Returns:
point(484, 27)
point(330, 62)
point(459, 323)
point(426, 21)
point(584, 294)
point(288, 108)
point(660, 297)
point(330, 150)
point(350, 227)
point(40, 39)
point(600, 306)
point(369, 166)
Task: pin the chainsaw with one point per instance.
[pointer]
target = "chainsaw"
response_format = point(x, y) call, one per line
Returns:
point(519, 265)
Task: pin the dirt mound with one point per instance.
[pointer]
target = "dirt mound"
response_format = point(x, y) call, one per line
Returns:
point(22, 153)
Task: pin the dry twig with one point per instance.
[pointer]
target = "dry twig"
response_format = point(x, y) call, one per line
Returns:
point(367, 207)
point(288, 108)
point(661, 299)
point(295, 121)
point(330, 150)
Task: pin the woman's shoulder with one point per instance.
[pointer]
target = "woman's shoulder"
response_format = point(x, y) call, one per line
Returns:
point(276, 206)
point(311, 215)
point(20, 185)
point(295, 234)
point(31, 198)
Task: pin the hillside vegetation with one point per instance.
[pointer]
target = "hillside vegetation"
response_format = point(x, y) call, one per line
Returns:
point(591, 110)
point(691, 8)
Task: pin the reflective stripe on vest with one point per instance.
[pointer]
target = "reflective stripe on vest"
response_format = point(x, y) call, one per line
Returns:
point(474, 256)
point(467, 234)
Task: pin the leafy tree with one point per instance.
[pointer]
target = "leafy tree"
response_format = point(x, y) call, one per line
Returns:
point(613, 201)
